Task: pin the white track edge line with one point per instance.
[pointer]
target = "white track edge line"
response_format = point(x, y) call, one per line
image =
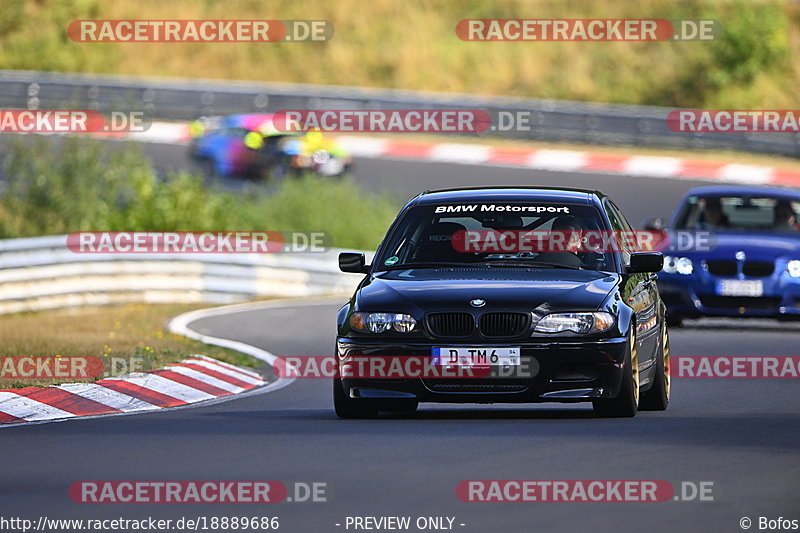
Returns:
point(179, 325)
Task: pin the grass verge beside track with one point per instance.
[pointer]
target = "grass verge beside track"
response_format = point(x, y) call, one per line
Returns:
point(121, 335)
point(82, 185)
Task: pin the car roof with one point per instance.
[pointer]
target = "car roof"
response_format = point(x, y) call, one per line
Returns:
point(742, 190)
point(507, 193)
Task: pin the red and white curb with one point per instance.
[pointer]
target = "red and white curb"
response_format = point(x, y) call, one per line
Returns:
point(572, 161)
point(542, 159)
point(194, 382)
point(195, 379)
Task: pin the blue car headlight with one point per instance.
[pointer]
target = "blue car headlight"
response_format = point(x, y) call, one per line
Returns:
point(793, 268)
point(678, 265)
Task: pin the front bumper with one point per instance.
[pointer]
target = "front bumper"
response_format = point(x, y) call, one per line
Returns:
point(697, 295)
point(556, 371)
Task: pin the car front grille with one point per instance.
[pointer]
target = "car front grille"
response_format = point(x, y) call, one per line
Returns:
point(490, 325)
point(503, 324)
point(728, 267)
point(457, 385)
point(733, 302)
point(451, 324)
point(758, 269)
point(721, 267)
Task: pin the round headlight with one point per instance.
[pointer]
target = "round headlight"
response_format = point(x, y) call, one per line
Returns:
point(404, 323)
point(684, 266)
point(669, 264)
point(379, 322)
point(793, 268)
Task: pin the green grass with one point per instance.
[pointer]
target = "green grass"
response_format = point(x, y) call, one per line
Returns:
point(412, 45)
point(85, 186)
point(120, 335)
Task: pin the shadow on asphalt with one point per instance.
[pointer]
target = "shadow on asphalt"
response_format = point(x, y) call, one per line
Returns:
point(680, 427)
point(738, 324)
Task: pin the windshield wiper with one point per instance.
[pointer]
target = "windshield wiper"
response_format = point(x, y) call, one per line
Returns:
point(494, 262)
point(425, 264)
point(531, 264)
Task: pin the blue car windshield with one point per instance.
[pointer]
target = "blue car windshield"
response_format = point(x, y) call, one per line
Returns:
point(740, 213)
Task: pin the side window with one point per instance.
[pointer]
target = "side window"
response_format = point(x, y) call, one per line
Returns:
point(621, 227)
point(624, 221)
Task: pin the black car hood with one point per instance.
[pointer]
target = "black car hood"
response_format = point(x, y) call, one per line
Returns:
point(501, 288)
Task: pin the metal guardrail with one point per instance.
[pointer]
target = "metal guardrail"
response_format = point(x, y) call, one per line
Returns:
point(186, 99)
point(42, 273)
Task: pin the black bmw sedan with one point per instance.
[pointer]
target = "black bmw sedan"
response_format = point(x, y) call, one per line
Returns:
point(504, 294)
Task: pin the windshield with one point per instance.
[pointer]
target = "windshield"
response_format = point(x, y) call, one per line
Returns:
point(760, 213)
point(518, 234)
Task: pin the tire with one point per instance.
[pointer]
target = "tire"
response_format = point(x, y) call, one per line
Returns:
point(398, 406)
point(626, 402)
point(209, 169)
point(278, 171)
point(347, 407)
point(674, 321)
point(657, 398)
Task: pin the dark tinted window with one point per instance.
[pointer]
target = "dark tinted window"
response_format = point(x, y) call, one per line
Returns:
point(482, 233)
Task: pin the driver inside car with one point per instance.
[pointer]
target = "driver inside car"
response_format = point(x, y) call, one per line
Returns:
point(566, 236)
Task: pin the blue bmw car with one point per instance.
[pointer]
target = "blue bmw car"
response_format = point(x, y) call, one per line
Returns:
point(745, 260)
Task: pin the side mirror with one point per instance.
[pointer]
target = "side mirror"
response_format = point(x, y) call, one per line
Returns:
point(353, 262)
point(654, 223)
point(646, 262)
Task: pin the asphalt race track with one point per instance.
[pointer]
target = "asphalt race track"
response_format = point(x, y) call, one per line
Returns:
point(638, 197)
point(741, 435)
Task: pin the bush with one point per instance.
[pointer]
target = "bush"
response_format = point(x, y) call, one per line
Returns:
point(82, 186)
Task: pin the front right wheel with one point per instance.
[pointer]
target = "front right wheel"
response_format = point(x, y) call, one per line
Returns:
point(347, 407)
point(674, 321)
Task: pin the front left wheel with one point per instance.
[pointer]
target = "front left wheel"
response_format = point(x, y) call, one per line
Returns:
point(657, 398)
point(626, 402)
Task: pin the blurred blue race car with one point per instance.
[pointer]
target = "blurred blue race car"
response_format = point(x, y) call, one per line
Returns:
point(249, 145)
point(244, 145)
point(751, 265)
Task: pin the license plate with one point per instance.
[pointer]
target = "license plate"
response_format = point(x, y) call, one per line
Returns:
point(476, 356)
point(738, 287)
